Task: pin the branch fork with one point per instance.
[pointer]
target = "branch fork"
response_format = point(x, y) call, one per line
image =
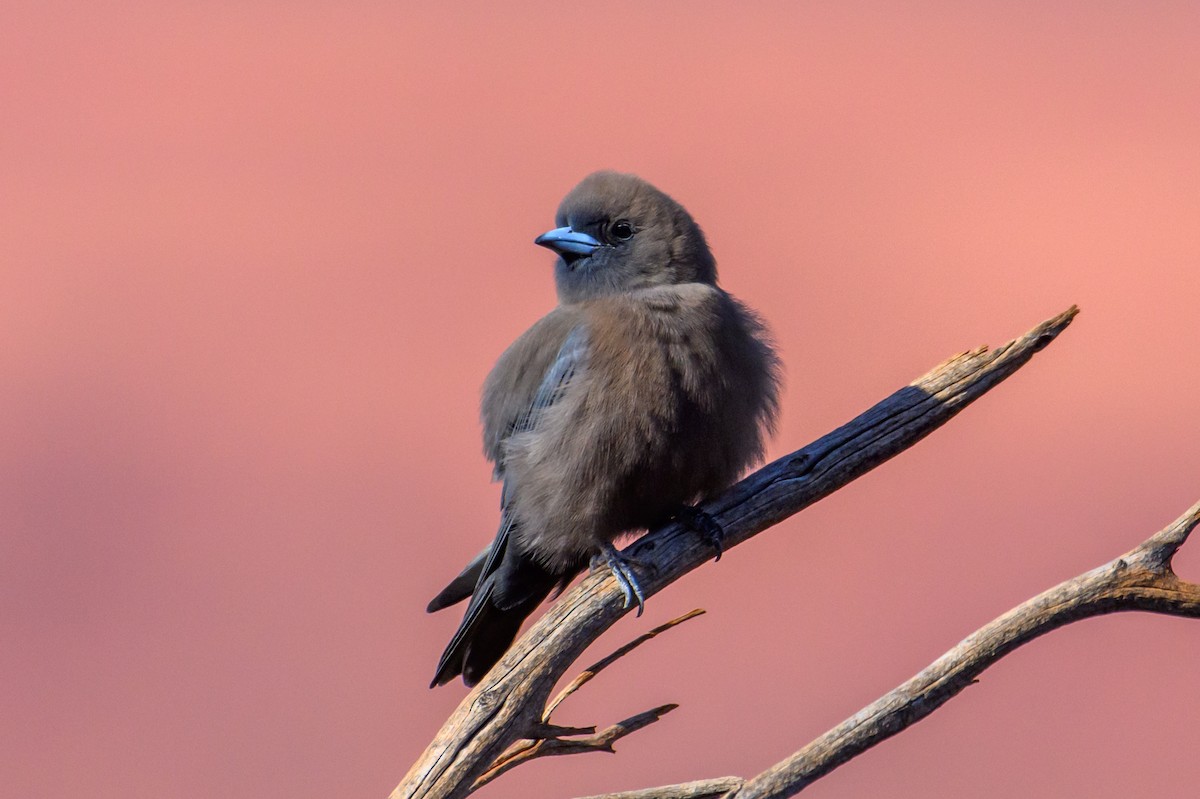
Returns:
point(544, 739)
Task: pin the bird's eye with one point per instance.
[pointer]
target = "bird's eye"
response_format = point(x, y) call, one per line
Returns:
point(622, 230)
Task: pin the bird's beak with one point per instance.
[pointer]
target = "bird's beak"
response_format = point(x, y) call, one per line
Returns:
point(564, 240)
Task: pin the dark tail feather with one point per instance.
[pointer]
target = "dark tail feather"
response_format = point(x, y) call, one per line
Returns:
point(461, 586)
point(483, 642)
point(501, 601)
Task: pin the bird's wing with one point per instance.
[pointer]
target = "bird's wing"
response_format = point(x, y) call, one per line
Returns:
point(523, 378)
point(507, 582)
point(571, 357)
point(567, 362)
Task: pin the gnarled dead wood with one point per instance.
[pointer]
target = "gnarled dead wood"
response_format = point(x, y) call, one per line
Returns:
point(508, 704)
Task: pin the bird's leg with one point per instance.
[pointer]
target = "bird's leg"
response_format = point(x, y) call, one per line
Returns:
point(700, 522)
point(622, 570)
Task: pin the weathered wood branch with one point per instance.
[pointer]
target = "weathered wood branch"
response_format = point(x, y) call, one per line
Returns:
point(550, 740)
point(508, 704)
point(591, 671)
point(700, 789)
point(551, 745)
point(1141, 579)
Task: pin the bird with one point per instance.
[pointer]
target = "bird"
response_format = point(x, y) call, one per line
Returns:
point(647, 389)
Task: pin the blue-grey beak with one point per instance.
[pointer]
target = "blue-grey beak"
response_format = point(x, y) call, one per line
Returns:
point(564, 240)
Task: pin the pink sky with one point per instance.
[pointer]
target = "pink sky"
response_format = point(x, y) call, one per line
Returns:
point(256, 259)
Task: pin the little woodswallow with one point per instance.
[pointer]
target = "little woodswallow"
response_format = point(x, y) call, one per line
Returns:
point(648, 388)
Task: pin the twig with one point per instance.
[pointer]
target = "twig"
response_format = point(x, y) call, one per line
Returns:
point(591, 671)
point(547, 739)
point(599, 742)
point(509, 701)
point(700, 789)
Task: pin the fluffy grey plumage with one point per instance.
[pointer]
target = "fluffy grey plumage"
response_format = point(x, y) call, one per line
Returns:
point(648, 388)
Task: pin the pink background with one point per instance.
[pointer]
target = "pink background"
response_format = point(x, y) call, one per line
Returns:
point(256, 261)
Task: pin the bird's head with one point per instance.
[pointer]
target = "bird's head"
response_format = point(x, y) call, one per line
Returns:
point(616, 232)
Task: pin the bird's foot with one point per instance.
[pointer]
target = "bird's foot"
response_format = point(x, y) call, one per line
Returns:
point(700, 522)
point(621, 567)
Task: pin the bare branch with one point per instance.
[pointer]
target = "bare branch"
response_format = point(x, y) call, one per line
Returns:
point(700, 789)
point(508, 703)
point(547, 739)
point(1141, 579)
point(591, 671)
point(598, 742)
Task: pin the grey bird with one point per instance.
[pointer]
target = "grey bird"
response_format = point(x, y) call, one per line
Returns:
point(647, 389)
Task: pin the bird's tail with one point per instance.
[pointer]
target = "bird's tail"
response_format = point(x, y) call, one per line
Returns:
point(508, 587)
point(481, 640)
point(461, 586)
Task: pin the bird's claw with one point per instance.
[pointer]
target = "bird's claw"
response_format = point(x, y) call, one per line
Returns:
point(622, 571)
point(700, 522)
